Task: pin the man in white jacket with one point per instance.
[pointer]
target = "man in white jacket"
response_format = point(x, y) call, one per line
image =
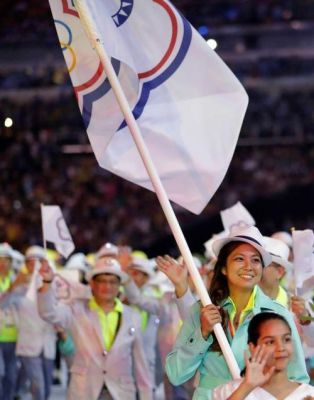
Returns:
point(36, 339)
point(8, 331)
point(109, 361)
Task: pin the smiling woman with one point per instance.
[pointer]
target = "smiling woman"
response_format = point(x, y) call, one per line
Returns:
point(236, 299)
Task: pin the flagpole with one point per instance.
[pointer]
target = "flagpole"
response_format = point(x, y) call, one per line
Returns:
point(42, 227)
point(94, 37)
point(295, 291)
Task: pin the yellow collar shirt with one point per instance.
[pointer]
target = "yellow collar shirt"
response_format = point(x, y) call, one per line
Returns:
point(232, 310)
point(282, 297)
point(8, 330)
point(109, 322)
point(5, 282)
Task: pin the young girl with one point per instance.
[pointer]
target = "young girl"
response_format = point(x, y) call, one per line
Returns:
point(270, 344)
point(235, 294)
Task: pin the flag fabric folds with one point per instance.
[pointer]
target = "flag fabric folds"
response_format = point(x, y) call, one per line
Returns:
point(236, 217)
point(188, 104)
point(55, 230)
point(303, 259)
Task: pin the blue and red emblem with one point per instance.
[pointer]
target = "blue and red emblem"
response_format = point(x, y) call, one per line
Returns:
point(95, 86)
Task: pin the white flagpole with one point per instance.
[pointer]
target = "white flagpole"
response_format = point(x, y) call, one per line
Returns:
point(43, 228)
point(94, 37)
point(293, 277)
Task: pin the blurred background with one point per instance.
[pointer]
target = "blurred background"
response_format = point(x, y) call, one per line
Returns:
point(46, 157)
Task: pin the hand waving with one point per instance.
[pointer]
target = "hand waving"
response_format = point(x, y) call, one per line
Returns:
point(255, 374)
point(176, 272)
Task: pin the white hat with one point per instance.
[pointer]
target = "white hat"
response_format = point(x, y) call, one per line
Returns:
point(143, 265)
point(17, 260)
point(209, 244)
point(78, 261)
point(107, 250)
point(284, 237)
point(250, 235)
point(36, 252)
point(279, 251)
point(162, 282)
point(107, 265)
point(197, 262)
point(6, 250)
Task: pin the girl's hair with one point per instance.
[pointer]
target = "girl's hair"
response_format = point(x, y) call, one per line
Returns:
point(219, 289)
point(257, 322)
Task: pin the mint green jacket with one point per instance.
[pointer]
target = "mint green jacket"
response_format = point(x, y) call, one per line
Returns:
point(192, 352)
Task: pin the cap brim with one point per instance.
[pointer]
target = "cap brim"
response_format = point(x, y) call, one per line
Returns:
point(220, 243)
point(122, 275)
point(284, 263)
point(142, 269)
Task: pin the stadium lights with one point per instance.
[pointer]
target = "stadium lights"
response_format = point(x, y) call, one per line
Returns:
point(8, 122)
point(212, 43)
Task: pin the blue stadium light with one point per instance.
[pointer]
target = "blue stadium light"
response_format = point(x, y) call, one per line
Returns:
point(203, 30)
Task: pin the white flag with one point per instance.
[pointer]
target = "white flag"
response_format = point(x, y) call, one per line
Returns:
point(55, 230)
point(303, 259)
point(34, 284)
point(67, 286)
point(236, 217)
point(188, 104)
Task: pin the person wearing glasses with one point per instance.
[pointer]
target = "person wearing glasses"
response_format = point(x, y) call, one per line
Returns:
point(109, 361)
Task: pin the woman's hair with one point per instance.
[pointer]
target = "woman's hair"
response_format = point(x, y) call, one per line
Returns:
point(257, 322)
point(219, 289)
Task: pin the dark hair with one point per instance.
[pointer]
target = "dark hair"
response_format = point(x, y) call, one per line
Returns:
point(219, 289)
point(257, 322)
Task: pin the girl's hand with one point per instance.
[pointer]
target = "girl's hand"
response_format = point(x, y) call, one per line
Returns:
point(210, 316)
point(255, 374)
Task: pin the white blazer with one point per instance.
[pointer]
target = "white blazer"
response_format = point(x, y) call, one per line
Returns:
point(34, 335)
point(144, 299)
point(122, 369)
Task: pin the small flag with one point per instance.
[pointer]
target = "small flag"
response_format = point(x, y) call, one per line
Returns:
point(34, 283)
point(236, 217)
point(56, 231)
point(303, 259)
point(188, 104)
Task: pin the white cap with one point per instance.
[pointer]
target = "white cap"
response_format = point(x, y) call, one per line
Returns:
point(284, 237)
point(36, 252)
point(107, 265)
point(162, 282)
point(107, 250)
point(197, 262)
point(78, 261)
point(17, 260)
point(6, 250)
point(279, 251)
point(143, 265)
point(250, 235)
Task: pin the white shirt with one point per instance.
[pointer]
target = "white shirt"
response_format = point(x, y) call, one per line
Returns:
point(222, 392)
